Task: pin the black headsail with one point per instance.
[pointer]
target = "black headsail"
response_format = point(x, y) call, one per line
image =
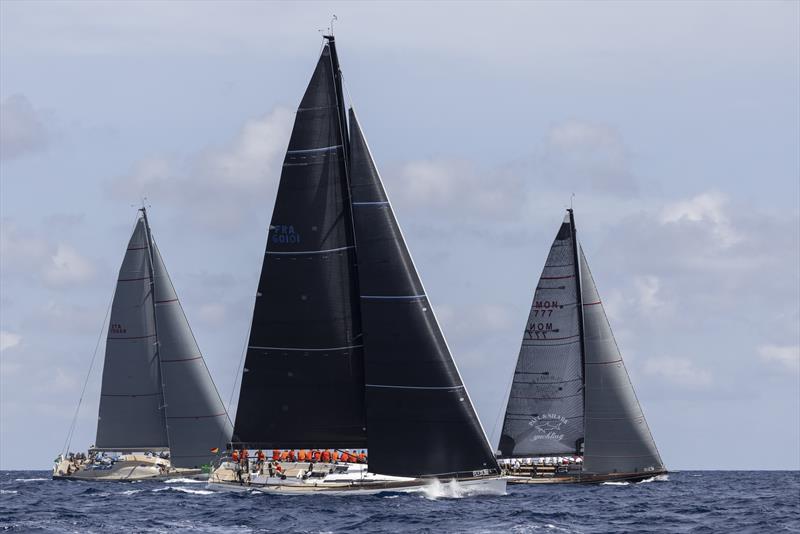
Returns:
point(545, 414)
point(420, 420)
point(303, 381)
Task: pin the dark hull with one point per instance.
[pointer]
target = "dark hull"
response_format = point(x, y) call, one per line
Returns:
point(585, 478)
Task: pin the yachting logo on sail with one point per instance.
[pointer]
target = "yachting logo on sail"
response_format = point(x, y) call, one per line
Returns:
point(548, 424)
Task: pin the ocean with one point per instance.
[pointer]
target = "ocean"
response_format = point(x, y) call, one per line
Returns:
point(691, 501)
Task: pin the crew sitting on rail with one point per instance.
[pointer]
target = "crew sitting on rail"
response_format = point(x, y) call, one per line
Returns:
point(235, 456)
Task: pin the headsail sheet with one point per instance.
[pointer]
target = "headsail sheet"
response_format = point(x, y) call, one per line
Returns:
point(544, 414)
point(618, 439)
point(131, 400)
point(303, 380)
point(420, 420)
point(196, 417)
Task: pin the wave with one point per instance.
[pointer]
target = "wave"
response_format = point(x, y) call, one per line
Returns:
point(184, 481)
point(10, 492)
point(453, 489)
point(615, 484)
point(185, 490)
point(31, 479)
point(657, 478)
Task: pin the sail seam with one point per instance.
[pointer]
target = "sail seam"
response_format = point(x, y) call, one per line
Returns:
point(593, 303)
point(137, 248)
point(309, 251)
point(411, 387)
point(305, 349)
point(556, 277)
point(166, 301)
point(134, 337)
point(196, 416)
point(603, 363)
point(181, 360)
point(130, 395)
point(310, 150)
point(369, 203)
point(133, 279)
point(391, 297)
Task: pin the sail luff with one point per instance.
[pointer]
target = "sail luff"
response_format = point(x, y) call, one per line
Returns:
point(416, 399)
point(576, 258)
point(153, 299)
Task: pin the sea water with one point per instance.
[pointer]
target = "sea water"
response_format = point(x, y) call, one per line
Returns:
point(697, 501)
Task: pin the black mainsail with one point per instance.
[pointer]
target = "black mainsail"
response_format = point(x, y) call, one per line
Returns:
point(571, 393)
point(303, 380)
point(156, 392)
point(416, 400)
point(344, 349)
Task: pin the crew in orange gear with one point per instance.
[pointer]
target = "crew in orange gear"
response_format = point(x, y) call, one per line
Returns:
point(292, 457)
point(301, 456)
point(284, 456)
point(260, 456)
point(326, 456)
point(362, 457)
point(345, 457)
point(335, 456)
point(235, 456)
point(276, 455)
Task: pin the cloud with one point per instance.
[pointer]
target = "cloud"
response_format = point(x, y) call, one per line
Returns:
point(707, 208)
point(23, 252)
point(679, 371)
point(218, 188)
point(586, 155)
point(459, 187)
point(784, 357)
point(22, 130)
point(66, 267)
point(8, 340)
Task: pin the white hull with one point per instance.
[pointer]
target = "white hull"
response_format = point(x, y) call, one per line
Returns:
point(356, 480)
point(129, 467)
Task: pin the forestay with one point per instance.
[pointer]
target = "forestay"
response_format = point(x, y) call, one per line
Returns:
point(544, 415)
point(420, 420)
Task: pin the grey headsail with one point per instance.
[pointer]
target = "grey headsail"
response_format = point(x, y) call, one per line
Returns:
point(303, 380)
point(416, 401)
point(196, 417)
point(544, 415)
point(131, 414)
point(617, 436)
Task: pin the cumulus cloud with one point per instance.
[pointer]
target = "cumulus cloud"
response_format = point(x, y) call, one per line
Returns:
point(217, 188)
point(784, 357)
point(57, 264)
point(22, 130)
point(586, 155)
point(8, 340)
point(707, 208)
point(66, 267)
point(679, 371)
point(459, 187)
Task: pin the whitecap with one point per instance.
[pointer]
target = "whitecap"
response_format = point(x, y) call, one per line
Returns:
point(615, 484)
point(130, 492)
point(454, 490)
point(31, 479)
point(657, 478)
point(184, 481)
point(11, 492)
point(192, 491)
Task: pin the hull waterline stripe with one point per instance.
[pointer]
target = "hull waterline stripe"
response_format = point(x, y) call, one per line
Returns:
point(305, 349)
point(312, 150)
point(392, 297)
point(411, 387)
point(309, 251)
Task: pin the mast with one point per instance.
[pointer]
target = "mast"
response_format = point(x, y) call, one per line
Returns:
point(337, 78)
point(579, 305)
point(151, 263)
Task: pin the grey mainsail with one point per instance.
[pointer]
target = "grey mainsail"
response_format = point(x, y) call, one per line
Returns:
point(303, 380)
point(544, 414)
point(196, 417)
point(420, 420)
point(131, 399)
point(617, 436)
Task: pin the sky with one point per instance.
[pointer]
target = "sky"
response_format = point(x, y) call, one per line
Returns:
point(676, 126)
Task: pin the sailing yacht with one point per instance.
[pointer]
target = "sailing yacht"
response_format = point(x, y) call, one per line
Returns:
point(572, 414)
point(345, 351)
point(160, 413)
